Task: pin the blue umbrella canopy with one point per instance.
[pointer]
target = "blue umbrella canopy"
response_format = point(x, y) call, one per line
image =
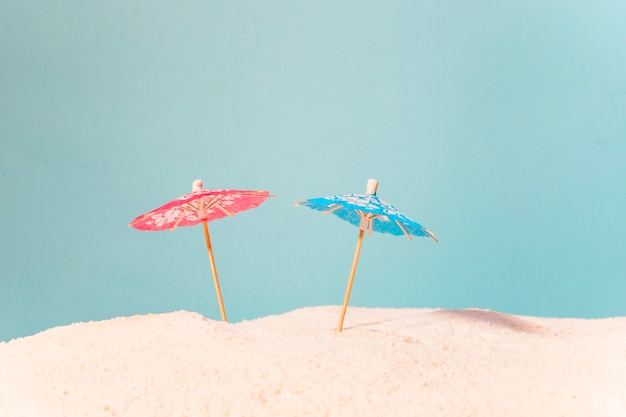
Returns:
point(368, 213)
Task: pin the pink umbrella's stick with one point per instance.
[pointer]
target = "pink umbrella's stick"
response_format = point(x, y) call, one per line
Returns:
point(213, 270)
point(355, 261)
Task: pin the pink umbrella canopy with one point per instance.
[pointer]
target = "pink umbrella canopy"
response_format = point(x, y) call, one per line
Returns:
point(201, 206)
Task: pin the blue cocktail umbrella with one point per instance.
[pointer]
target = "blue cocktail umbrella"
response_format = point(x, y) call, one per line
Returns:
point(368, 213)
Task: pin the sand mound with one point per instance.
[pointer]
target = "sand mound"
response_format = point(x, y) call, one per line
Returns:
point(387, 362)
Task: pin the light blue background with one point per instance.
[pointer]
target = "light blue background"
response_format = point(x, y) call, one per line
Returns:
point(500, 126)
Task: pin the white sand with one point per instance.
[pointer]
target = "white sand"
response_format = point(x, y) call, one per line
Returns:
point(387, 362)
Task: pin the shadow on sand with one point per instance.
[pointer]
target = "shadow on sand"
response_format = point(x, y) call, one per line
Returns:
point(492, 318)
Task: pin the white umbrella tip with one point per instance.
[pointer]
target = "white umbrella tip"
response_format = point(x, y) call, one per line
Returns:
point(196, 185)
point(372, 186)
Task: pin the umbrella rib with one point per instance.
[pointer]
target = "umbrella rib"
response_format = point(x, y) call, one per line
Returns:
point(257, 193)
point(431, 234)
point(214, 200)
point(207, 204)
point(363, 214)
point(363, 218)
point(140, 219)
point(403, 230)
point(224, 210)
point(180, 219)
point(332, 207)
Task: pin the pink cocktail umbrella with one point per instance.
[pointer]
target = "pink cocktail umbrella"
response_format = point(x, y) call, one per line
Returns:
point(201, 206)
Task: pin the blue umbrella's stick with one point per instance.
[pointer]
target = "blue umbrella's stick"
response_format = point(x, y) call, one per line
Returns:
point(355, 261)
point(213, 269)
